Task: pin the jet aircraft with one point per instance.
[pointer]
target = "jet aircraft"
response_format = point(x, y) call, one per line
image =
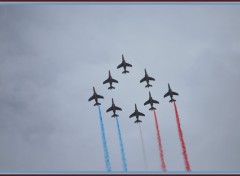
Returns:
point(114, 108)
point(95, 97)
point(147, 79)
point(170, 93)
point(151, 101)
point(137, 114)
point(110, 80)
point(124, 64)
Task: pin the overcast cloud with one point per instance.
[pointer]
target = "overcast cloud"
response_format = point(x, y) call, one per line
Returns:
point(52, 55)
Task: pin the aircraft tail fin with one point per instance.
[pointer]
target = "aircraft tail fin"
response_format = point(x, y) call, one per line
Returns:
point(137, 121)
point(152, 108)
point(97, 104)
point(172, 100)
point(114, 115)
point(148, 85)
point(125, 71)
point(111, 87)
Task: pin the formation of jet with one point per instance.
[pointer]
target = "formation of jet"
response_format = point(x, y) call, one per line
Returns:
point(114, 108)
point(151, 101)
point(95, 97)
point(147, 79)
point(110, 80)
point(124, 64)
point(170, 93)
point(137, 114)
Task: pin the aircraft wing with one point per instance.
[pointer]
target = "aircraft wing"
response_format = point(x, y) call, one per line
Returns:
point(100, 96)
point(144, 79)
point(132, 115)
point(150, 78)
point(167, 94)
point(147, 102)
point(106, 81)
point(91, 98)
point(128, 65)
point(174, 93)
point(110, 109)
point(155, 101)
point(117, 108)
point(120, 65)
point(141, 114)
point(114, 80)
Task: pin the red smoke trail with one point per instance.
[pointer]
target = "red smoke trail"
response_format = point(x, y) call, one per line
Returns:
point(163, 165)
point(184, 151)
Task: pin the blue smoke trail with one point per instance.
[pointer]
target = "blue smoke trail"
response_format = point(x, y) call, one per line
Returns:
point(122, 149)
point(107, 162)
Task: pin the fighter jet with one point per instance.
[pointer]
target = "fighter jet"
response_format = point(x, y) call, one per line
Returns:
point(147, 79)
point(110, 80)
point(114, 108)
point(95, 96)
point(124, 64)
point(137, 114)
point(151, 101)
point(170, 93)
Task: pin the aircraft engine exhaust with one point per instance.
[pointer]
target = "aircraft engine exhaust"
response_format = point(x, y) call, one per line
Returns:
point(143, 149)
point(163, 165)
point(124, 162)
point(184, 151)
point(106, 154)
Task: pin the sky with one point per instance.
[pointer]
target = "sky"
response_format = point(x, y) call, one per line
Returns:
point(52, 55)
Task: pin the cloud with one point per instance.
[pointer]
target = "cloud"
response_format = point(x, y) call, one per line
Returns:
point(51, 56)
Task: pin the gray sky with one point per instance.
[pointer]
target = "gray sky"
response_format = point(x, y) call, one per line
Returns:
point(52, 55)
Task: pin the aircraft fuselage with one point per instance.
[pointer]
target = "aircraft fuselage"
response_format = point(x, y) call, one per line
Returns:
point(147, 79)
point(96, 98)
point(114, 109)
point(170, 92)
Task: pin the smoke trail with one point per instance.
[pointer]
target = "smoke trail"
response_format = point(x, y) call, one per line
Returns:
point(143, 149)
point(107, 162)
point(124, 163)
point(163, 165)
point(184, 151)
